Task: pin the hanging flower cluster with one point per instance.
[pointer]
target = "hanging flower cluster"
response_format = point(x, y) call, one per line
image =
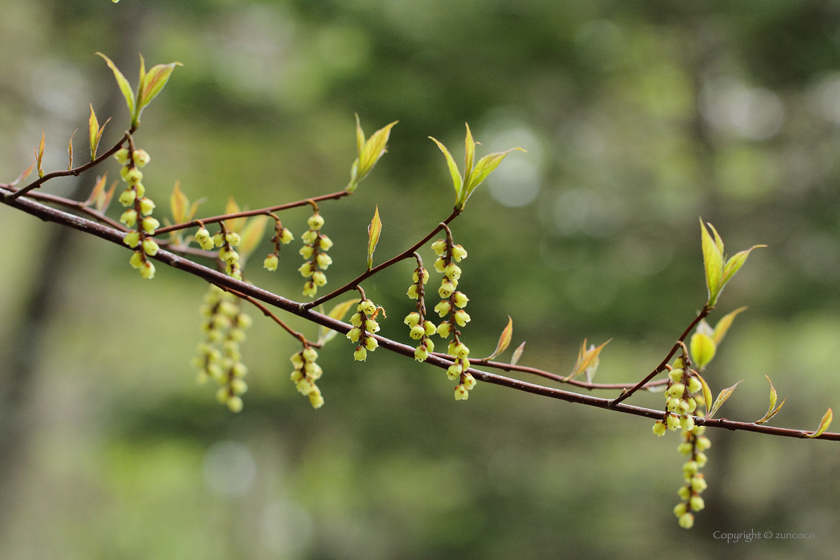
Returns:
point(219, 355)
point(139, 210)
point(305, 374)
point(452, 306)
point(683, 396)
point(421, 328)
point(364, 325)
point(281, 236)
point(227, 240)
point(314, 251)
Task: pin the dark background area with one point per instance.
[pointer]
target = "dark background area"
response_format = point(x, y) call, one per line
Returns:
point(637, 120)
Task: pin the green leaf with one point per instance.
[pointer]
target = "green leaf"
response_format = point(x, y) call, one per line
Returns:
point(374, 230)
point(504, 339)
point(360, 137)
point(70, 150)
point(251, 236)
point(374, 149)
point(735, 263)
point(338, 312)
point(713, 262)
point(93, 124)
point(772, 411)
point(722, 398)
point(724, 324)
point(151, 84)
point(125, 88)
point(482, 170)
point(517, 354)
point(457, 182)
point(824, 424)
point(702, 348)
point(469, 157)
point(707, 393)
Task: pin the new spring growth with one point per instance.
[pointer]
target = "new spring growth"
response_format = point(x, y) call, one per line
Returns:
point(420, 328)
point(451, 305)
point(219, 356)
point(305, 373)
point(227, 240)
point(683, 396)
point(281, 236)
point(139, 209)
point(364, 325)
point(314, 252)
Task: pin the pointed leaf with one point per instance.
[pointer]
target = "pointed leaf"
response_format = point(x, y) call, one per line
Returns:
point(705, 328)
point(125, 87)
point(718, 240)
point(504, 339)
point(178, 202)
point(517, 354)
point(39, 154)
point(251, 236)
point(152, 83)
point(724, 324)
point(23, 175)
point(469, 155)
point(374, 148)
point(234, 224)
point(360, 137)
point(70, 150)
point(482, 170)
point(772, 411)
point(586, 359)
point(98, 190)
point(93, 124)
point(735, 263)
point(824, 424)
point(457, 182)
point(702, 348)
point(338, 312)
point(722, 398)
point(104, 200)
point(713, 263)
point(374, 229)
point(707, 394)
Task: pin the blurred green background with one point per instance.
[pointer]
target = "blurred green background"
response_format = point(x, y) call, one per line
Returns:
point(637, 118)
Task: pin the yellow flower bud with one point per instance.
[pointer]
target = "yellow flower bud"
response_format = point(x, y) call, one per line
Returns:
point(325, 243)
point(458, 253)
point(659, 428)
point(140, 157)
point(417, 332)
point(323, 260)
point(147, 271)
point(319, 278)
point(121, 155)
point(360, 355)
point(306, 251)
point(421, 353)
point(315, 222)
point(271, 262)
point(309, 237)
point(439, 247)
point(136, 260)
point(686, 521)
point(150, 246)
point(462, 317)
point(461, 393)
point(315, 399)
point(129, 217)
point(461, 299)
point(127, 197)
point(232, 238)
point(429, 328)
point(234, 403)
point(412, 319)
point(150, 225)
point(286, 236)
point(371, 344)
point(444, 329)
point(147, 206)
point(132, 239)
point(469, 381)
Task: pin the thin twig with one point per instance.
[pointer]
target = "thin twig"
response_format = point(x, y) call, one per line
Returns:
point(408, 253)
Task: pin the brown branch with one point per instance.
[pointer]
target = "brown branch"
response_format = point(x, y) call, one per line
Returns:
point(109, 234)
point(267, 312)
point(247, 213)
point(408, 253)
point(75, 205)
point(661, 367)
point(74, 172)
